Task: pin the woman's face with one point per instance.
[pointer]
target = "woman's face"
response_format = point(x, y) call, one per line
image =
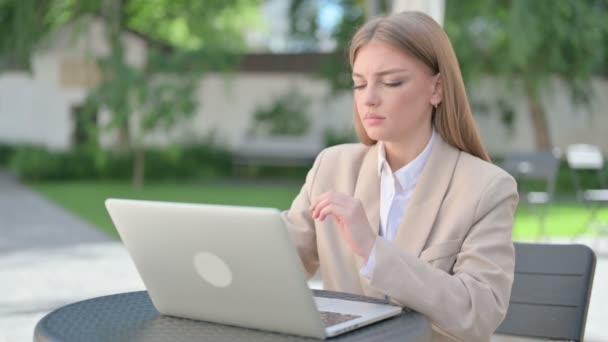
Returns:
point(393, 92)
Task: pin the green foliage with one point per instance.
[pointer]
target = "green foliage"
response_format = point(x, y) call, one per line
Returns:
point(513, 39)
point(192, 25)
point(184, 24)
point(304, 22)
point(335, 137)
point(194, 162)
point(303, 26)
point(184, 40)
point(295, 173)
point(517, 40)
point(526, 44)
point(286, 116)
point(160, 94)
point(336, 68)
point(24, 23)
point(530, 40)
point(6, 153)
point(38, 163)
point(35, 163)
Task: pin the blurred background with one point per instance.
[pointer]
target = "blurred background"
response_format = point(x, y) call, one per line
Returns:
point(230, 101)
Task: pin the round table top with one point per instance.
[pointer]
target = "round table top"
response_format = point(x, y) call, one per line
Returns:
point(132, 317)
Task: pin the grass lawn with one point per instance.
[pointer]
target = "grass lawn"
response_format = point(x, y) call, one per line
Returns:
point(86, 200)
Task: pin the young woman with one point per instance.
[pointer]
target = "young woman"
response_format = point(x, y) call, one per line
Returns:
point(416, 213)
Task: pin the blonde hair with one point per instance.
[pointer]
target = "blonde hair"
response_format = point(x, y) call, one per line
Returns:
point(421, 37)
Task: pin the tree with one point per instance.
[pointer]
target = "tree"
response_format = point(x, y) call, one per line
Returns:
point(185, 39)
point(513, 41)
point(529, 43)
point(24, 24)
point(160, 94)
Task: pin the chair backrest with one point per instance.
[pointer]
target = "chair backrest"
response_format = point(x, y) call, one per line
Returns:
point(585, 157)
point(534, 166)
point(551, 291)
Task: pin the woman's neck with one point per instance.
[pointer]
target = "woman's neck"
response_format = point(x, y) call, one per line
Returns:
point(401, 153)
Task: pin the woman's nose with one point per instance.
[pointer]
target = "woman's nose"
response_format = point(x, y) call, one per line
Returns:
point(371, 97)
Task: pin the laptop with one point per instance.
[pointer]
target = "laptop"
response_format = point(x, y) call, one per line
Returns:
point(231, 265)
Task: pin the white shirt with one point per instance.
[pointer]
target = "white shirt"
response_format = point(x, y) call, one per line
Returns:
point(396, 189)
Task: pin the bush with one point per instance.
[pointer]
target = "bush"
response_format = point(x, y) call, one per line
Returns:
point(35, 163)
point(257, 172)
point(6, 153)
point(335, 137)
point(190, 162)
point(38, 163)
point(286, 116)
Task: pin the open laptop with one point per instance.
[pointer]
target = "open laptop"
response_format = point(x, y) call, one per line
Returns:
point(231, 265)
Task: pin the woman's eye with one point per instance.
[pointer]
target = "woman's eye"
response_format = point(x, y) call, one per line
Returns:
point(393, 84)
point(358, 86)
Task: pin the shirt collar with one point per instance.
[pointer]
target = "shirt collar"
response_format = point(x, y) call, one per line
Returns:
point(407, 175)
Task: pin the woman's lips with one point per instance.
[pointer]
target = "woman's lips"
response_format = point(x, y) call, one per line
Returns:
point(373, 119)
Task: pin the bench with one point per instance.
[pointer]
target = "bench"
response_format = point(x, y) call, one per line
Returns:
point(277, 151)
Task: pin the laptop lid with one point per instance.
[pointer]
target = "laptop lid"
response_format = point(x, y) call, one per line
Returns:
point(225, 264)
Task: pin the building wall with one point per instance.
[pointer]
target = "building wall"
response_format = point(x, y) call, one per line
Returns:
point(228, 106)
point(32, 112)
point(568, 123)
point(36, 108)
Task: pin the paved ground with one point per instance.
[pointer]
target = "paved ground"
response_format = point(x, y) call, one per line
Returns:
point(49, 258)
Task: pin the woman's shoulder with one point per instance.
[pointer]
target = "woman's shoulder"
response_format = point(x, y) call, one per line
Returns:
point(484, 183)
point(337, 167)
point(345, 152)
point(342, 161)
point(481, 172)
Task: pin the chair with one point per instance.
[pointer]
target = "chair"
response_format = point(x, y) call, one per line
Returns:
point(534, 168)
point(551, 292)
point(589, 158)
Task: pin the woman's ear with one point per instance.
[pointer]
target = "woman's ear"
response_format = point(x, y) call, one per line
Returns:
point(437, 94)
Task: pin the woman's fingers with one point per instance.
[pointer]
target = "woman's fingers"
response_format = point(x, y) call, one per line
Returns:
point(316, 202)
point(330, 198)
point(332, 209)
point(321, 202)
point(350, 218)
point(327, 208)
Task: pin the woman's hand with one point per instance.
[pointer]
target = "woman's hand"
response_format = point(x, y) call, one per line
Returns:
point(350, 217)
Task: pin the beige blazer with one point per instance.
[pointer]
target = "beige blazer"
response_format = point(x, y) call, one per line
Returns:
point(453, 257)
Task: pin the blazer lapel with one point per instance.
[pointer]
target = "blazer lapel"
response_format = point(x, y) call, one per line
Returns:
point(367, 188)
point(430, 190)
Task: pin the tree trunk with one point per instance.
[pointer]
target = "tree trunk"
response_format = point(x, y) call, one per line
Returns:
point(139, 167)
point(539, 120)
point(123, 141)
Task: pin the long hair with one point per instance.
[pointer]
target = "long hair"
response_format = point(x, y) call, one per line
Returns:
point(419, 36)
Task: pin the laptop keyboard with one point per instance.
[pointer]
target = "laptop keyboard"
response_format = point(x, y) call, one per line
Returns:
point(333, 318)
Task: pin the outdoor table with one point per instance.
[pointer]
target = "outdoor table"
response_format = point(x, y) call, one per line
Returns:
point(132, 317)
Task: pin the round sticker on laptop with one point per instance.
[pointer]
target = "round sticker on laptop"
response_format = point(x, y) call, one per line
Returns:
point(212, 269)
